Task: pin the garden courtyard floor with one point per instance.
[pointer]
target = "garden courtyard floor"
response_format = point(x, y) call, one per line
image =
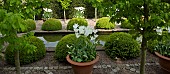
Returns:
point(105, 65)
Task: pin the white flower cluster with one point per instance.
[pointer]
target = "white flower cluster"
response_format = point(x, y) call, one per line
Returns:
point(79, 8)
point(159, 30)
point(86, 31)
point(47, 10)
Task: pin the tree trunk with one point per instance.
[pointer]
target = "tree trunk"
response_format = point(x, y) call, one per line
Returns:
point(144, 39)
point(17, 62)
point(95, 14)
point(64, 16)
point(143, 56)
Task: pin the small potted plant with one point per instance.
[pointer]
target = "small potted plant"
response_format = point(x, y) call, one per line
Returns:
point(162, 50)
point(82, 54)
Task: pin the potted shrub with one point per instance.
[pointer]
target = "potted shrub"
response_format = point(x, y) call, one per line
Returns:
point(82, 54)
point(162, 50)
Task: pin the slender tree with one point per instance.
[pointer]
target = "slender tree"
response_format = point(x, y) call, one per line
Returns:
point(145, 15)
point(65, 4)
point(96, 4)
point(12, 13)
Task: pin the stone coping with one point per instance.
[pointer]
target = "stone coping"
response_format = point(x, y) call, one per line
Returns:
point(70, 31)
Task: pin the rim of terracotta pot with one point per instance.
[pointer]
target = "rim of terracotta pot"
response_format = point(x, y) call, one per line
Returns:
point(161, 56)
point(82, 63)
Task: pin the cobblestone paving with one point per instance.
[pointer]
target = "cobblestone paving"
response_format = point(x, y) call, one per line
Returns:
point(105, 65)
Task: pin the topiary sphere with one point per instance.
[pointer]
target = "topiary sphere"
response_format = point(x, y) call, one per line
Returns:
point(61, 50)
point(79, 21)
point(122, 45)
point(31, 24)
point(126, 24)
point(25, 57)
point(104, 23)
point(51, 25)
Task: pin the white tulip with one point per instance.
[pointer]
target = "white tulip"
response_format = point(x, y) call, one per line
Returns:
point(77, 35)
point(75, 26)
point(95, 31)
point(159, 30)
point(92, 38)
point(168, 29)
point(76, 30)
point(81, 29)
point(96, 35)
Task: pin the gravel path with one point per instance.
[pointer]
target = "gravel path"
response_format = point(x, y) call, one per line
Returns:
point(105, 65)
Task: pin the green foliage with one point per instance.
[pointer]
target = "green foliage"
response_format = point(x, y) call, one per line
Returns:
point(104, 23)
point(95, 3)
point(51, 25)
point(79, 21)
point(31, 25)
point(11, 23)
point(126, 24)
point(24, 25)
point(158, 40)
point(58, 11)
point(27, 55)
point(65, 3)
point(82, 50)
point(28, 8)
point(151, 45)
point(121, 45)
point(61, 50)
point(163, 48)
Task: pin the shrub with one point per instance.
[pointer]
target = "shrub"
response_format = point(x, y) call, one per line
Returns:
point(105, 23)
point(126, 24)
point(61, 50)
point(31, 24)
point(51, 25)
point(122, 45)
point(25, 56)
point(151, 45)
point(79, 21)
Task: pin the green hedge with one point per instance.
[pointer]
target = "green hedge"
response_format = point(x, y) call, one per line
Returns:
point(51, 25)
point(126, 24)
point(79, 21)
point(122, 45)
point(58, 11)
point(103, 23)
point(31, 24)
point(25, 56)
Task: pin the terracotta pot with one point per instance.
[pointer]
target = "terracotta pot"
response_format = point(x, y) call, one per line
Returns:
point(82, 68)
point(164, 62)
